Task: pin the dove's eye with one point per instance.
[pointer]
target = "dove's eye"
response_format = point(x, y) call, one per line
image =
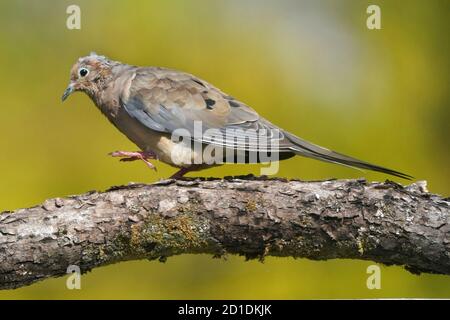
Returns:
point(83, 72)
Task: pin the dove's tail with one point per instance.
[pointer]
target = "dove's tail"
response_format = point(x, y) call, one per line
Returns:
point(308, 149)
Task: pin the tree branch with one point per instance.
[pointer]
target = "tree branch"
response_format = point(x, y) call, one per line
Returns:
point(255, 217)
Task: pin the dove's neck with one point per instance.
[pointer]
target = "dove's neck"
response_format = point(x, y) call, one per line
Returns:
point(109, 92)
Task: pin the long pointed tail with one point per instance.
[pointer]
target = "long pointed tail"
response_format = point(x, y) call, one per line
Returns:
point(308, 149)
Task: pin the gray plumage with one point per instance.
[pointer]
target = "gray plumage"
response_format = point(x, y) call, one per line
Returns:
point(148, 104)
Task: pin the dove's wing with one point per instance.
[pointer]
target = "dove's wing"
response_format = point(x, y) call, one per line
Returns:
point(166, 100)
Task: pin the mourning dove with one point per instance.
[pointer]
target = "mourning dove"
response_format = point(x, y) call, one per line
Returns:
point(151, 105)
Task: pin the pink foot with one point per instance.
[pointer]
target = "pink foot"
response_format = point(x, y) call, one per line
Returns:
point(136, 155)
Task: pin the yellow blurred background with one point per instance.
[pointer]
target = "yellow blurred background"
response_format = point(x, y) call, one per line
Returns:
point(311, 67)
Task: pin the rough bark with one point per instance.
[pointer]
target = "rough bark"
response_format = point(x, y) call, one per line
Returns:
point(255, 217)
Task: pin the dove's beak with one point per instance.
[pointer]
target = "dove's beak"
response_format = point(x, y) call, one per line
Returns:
point(68, 92)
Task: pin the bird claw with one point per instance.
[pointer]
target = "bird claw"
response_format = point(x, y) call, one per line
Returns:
point(149, 164)
point(136, 155)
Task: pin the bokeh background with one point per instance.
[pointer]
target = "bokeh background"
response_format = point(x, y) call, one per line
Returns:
point(311, 67)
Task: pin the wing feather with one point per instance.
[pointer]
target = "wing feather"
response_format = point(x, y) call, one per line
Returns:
point(164, 101)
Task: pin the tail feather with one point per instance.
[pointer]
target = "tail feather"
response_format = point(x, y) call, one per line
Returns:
point(308, 149)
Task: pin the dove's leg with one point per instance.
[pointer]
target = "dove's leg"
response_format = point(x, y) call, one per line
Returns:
point(180, 173)
point(136, 155)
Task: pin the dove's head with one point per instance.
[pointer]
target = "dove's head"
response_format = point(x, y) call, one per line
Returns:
point(89, 74)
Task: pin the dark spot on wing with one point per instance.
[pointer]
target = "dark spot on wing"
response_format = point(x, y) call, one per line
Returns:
point(209, 103)
point(199, 82)
point(234, 104)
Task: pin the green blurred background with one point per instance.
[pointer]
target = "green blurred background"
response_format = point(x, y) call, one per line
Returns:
point(311, 67)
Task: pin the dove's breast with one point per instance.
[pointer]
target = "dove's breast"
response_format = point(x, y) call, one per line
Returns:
point(178, 154)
